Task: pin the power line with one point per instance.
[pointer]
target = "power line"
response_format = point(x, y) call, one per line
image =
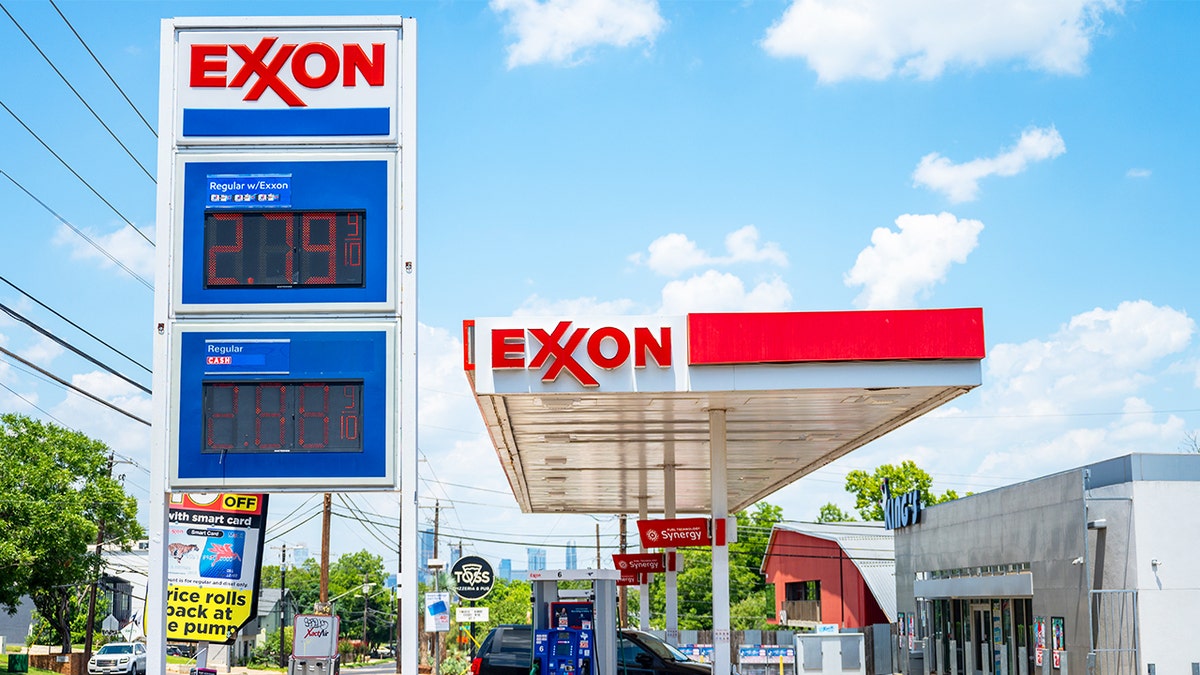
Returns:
point(78, 352)
point(73, 324)
point(75, 173)
point(76, 230)
point(77, 94)
point(110, 77)
point(74, 388)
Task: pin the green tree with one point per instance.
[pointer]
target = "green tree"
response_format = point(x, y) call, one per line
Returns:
point(867, 488)
point(832, 513)
point(347, 575)
point(55, 493)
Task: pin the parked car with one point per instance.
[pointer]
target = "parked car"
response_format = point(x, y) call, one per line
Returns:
point(508, 650)
point(125, 658)
point(172, 650)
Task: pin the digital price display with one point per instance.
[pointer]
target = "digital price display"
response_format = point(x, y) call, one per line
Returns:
point(283, 248)
point(281, 405)
point(314, 232)
point(282, 416)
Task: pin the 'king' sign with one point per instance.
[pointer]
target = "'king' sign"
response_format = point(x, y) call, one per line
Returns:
point(291, 83)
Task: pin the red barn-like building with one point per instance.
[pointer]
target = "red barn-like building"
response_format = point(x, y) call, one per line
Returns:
point(832, 573)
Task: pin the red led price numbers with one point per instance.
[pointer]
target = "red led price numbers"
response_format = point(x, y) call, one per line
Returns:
point(282, 417)
point(281, 249)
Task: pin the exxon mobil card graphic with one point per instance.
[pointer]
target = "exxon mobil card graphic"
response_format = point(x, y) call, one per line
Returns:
point(222, 554)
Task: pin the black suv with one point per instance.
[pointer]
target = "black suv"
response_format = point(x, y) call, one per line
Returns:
point(508, 650)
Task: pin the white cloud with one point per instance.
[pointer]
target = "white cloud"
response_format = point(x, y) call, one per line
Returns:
point(562, 31)
point(123, 244)
point(535, 305)
point(876, 39)
point(960, 182)
point(715, 291)
point(898, 266)
point(674, 254)
point(1138, 172)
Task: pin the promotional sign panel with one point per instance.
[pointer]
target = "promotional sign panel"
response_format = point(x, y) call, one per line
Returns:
point(471, 614)
point(214, 546)
point(437, 612)
point(287, 84)
point(674, 532)
point(315, 636)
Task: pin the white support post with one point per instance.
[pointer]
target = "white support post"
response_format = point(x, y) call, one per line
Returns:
point(644, 587)
point(671, 584)
point(720, 552)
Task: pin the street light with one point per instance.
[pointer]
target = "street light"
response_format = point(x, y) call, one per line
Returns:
point(364, 588)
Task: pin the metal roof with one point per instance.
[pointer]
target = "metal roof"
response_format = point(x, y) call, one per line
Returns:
point(578, 429)
point(869, 546)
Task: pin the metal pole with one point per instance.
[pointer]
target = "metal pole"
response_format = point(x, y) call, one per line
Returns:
point(282, 605)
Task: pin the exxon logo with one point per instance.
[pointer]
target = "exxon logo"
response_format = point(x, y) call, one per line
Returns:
point(284, 68)
point(558, 350)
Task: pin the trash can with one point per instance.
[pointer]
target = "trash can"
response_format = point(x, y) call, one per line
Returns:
point(18, 663)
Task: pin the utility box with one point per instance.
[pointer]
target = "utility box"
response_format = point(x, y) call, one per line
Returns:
point(314, 666)
point(18, 663)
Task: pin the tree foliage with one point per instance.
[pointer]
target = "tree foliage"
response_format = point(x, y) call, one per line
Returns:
point(832, 513)
point(55, 492)
point(867, 488)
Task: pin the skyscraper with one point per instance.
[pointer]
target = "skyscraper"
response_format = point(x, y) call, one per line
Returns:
point(424, 553)
point(537, 558)
point(572, 556)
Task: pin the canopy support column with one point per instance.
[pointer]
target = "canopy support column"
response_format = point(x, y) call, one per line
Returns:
point(644, 586)
point(718, 480)
point(671, 584)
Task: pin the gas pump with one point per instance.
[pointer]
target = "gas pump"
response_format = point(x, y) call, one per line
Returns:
point(563, 651)
point(575, 630)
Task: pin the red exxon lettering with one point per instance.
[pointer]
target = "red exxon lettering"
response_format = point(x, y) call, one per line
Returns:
point(313, 65)
point(608, 348)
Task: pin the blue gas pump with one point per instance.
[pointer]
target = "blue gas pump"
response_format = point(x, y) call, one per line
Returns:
point(563, 651)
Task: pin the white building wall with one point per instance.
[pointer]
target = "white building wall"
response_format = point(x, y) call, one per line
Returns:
point(1167, 529)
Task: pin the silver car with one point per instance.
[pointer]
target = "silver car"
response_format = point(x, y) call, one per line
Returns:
point(124, 658)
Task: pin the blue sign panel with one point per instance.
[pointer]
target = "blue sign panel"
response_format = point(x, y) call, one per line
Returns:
point(298, 234)
point(249, 191)
point(283, 404)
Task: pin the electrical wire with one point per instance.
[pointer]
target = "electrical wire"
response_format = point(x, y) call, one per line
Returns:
point(66, 345)
point(77, 94)
point(75, 173)
point(74, 388)
point(110, 77)
point(79, 232)
point(73, 324)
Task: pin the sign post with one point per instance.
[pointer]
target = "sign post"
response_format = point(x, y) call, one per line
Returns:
point(285, 294)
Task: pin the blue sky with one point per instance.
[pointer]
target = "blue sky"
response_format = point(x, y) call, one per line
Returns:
point(1036, 159)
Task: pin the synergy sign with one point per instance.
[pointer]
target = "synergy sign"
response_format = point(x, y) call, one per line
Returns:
point(214, 546)
point(626, 354)
point(287, 82)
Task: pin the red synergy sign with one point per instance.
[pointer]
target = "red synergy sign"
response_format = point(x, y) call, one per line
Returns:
point(639, 563)
point(674, 533)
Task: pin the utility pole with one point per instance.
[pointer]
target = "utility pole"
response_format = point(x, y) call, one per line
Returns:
point(91, 621)
point(437, 512)
point(597, 545)
point(282, 605)
point(622, 598)
point(366, 642)
point(325, 509)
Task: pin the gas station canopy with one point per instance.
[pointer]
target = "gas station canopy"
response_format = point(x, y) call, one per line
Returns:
point(590, 414)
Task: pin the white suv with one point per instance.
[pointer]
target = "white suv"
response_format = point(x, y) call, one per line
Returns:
point(126, 658)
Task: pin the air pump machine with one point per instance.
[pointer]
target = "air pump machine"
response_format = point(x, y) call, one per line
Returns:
point(575, 630)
